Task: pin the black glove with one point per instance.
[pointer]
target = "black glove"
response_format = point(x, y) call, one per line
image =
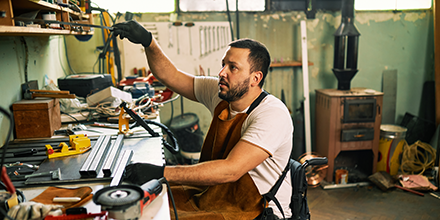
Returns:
point(134, 32)
point(140, 173)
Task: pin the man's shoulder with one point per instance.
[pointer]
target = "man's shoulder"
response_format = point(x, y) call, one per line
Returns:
point(273, 105)
point(271, 110)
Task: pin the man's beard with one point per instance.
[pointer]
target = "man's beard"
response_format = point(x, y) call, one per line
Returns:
point(236, 92)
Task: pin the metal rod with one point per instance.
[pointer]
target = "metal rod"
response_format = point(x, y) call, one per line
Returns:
point(112, 156)
point(97, 162)
point(125, 158)
point(85, 167)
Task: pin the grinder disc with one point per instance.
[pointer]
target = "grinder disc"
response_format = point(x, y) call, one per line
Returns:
point(118, 196)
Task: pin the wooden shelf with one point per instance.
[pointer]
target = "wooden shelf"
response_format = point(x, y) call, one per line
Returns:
point(15, 8)
point(33, 31)
point(46, 6)
point(289, 64)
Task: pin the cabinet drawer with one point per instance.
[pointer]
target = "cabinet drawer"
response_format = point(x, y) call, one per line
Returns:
point(363, 134)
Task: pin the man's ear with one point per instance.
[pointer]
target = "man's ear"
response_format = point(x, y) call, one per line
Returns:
point(257, 76)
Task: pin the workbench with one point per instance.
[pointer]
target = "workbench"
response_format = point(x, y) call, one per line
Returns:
point(146, 149)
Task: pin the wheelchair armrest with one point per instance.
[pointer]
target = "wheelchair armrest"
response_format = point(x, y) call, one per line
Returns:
point(316, 161)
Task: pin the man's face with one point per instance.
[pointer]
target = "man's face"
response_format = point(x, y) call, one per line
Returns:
point(234, 77)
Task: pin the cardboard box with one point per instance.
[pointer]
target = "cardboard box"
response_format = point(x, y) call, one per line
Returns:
point(36, 118)
point(108, 94)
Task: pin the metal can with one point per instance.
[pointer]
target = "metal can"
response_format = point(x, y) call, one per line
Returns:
point(341, 176)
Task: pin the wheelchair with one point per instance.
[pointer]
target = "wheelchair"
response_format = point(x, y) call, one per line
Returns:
point(298, 200)
point(298, 203)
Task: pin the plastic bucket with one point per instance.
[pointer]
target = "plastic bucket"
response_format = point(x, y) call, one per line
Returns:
point(392, 139)
point(187, 131)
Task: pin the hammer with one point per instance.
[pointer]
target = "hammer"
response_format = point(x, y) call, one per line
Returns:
point(32, 93)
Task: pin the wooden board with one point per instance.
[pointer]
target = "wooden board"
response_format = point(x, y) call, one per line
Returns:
point(5, 5)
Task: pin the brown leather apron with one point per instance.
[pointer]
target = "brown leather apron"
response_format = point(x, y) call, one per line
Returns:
point(237, 200)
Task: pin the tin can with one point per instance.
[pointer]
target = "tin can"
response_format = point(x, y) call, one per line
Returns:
point(341, 176)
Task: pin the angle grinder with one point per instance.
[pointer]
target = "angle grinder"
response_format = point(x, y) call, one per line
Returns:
point(127, 201)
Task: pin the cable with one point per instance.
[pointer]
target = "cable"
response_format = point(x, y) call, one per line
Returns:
point(26, 61)
point(172, 149)
point(8, 137)
point(163, 180)
point(5, 147)
point(70, 116)
point(418, 157)
point(67, 56)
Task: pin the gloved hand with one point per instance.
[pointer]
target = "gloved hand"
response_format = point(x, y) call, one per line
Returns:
point(140, 173)
point(134, 32)
point(34, 211)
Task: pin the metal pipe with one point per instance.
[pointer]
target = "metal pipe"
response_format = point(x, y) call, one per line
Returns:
point(125, 158)
point(112, 156)
point(84, 168)
point(97, 162)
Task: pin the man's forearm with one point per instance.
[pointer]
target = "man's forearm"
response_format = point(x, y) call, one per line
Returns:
point(206, 173)
point(159, 64)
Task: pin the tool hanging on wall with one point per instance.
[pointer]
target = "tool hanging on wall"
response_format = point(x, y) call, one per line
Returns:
point(189, 25)
point(177, 24)
point(170, 35)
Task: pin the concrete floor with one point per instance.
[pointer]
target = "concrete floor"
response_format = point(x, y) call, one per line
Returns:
point(369, 202)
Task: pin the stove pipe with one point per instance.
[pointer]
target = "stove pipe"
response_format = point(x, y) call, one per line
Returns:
point(346, 47)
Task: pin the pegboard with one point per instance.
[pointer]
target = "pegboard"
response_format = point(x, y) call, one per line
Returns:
point(197, 50)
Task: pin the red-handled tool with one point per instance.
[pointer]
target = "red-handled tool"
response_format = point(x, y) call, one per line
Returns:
point(13, 200)
point(127, 201)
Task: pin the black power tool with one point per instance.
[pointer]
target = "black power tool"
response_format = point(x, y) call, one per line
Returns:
point(127, 201)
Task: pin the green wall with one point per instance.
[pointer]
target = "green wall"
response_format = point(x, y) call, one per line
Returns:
point(389, 40)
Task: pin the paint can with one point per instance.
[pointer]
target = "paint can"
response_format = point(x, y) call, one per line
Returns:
point(392, 140)
point(341, 176)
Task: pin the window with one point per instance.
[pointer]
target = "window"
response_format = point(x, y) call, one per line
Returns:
point(135, 6)
point(392, 4)
point(220, 5)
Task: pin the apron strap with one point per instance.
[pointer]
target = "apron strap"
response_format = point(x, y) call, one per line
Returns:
point(257, 101)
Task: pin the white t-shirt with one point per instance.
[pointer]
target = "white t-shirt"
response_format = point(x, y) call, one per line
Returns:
point(268, 126)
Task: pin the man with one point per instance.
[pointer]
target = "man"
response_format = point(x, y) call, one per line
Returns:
point(248, 143)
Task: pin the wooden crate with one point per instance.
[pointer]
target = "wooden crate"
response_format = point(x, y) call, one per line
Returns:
point(36, 118)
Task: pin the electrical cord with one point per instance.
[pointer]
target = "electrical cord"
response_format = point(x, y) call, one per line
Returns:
point(5, 147)
point(417, 158)
point(70, 116)
point(163, 180)
point(170, 147)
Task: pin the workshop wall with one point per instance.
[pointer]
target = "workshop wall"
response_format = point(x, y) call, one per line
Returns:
point(389, 40)
point(44, 56)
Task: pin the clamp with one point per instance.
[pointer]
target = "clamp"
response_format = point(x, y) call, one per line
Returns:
point(79, 144)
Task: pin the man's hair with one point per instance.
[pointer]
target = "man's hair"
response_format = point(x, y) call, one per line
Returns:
point(258, 58)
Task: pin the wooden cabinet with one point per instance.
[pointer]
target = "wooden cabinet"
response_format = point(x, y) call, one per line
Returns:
point(10, 10)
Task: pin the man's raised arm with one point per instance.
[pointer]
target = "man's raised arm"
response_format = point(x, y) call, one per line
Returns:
point(160, 65)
